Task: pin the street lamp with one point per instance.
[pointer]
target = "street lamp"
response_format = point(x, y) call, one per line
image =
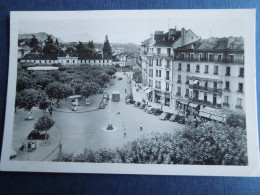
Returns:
point(110, 126)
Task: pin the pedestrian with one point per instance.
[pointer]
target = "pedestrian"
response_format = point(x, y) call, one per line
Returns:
point(141, 127)
point(124, 132)
point(50, 111)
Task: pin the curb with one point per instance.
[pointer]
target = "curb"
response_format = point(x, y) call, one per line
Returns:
point(76, 111)
point(54, 146)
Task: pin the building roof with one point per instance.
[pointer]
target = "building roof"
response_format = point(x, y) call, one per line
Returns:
point(145, 42)
point(83, 56)
point(213, 43)
point(166, 40)
point(40, 57)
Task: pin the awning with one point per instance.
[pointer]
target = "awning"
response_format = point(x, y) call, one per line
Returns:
point(145, 88)
point(184, 102)
point(193, 105)
point(204, 114)
point(148, 91)
point(217, 118)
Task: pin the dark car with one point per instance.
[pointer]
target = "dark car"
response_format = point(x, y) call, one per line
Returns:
point(181, 120)
point(114, 76)
point(137, 104)
point(35, 134)
point(158, 112)
point(101, 91)
point(111, 83)
point(101, 105)
point(165, 116)
point(172, 118)
point(142, 106)
point(120, 78)
point(147, 107)
point(132, 102)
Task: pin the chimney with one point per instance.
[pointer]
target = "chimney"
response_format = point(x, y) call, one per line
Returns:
point(183, 32)
point(230, 40)
point(171, 32)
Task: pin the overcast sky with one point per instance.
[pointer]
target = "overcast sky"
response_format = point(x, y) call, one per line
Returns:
point(135, 30)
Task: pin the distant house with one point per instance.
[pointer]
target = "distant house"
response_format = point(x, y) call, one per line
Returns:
point(23, 50)
point(82, 58)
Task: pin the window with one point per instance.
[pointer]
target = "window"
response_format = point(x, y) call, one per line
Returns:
point(240, 87)
point(179, 66)
point(206, 84)
point(187, 80)
point(167, 86)
point(227, 71)
point(205, 97)
point(227, 85)
point(219, 57)
point(150, 83)
point(201, 58)
point(73, 61)
point(182, 56)
point(197, 68)
point(179, 79)
point(150, 72)
point(158, 50)
point(168, 63)
point(169, 51)
point(206, 69)
point(225, 99)
point(215, 69)
point(167, 75)
point(94, 61)
point(239, 102)
point(49, 61)
point(211, 57)
point(158, 84)
point(45, 61)
point(241, 72)
point(187, 93)
point(191, 56)
point(188, 67)
point(215, 85)
point(68, 61)
point(107, 61)
point(179, 92)
point(158, 73)
point(231, 58)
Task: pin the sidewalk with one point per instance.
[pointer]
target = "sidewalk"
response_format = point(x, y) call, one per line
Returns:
point(22, 128)
point(140, 95)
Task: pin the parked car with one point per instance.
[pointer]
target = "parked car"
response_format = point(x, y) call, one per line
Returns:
point(165, 116)
point(106, 96)
point(127, 101)
point(158, 112)
point(151, 110)
point(132, 102)
point(181, 120)
point(35, 134)
point(142, 106)
point(101, 105)
point(137, 104)
point(124, 73)
point(147, 107)
point(120, 78)
point(114, 76)
point(172, 118)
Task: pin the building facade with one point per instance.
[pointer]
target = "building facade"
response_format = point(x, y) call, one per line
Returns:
point(209, 73)
point(157, 56)
point(95, 59)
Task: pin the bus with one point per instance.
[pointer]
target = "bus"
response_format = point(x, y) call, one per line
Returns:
point(116, 96)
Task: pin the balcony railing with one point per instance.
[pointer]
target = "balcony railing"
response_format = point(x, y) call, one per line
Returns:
point(158, 87)
point(227, 90)
point(178, 94)
point(239, 107)
point(187, 82)
point(205, 59)
point(167, 66)
point(241, 75)
point(240, 91)
point(167, 78)
point(207, 103)
point(150, 75)
point(179, 81)
point(226, 104)
point(208, 89)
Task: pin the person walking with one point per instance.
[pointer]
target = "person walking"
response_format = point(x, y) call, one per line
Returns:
point(124, 132)
point(50, 111)
point(141, 126)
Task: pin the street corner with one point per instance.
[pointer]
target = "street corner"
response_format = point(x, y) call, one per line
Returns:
point(37, 150)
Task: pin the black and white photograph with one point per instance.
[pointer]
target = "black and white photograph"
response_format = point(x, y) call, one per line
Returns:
point(136, 92)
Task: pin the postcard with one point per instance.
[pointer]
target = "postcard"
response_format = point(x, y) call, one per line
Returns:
point(165, 92)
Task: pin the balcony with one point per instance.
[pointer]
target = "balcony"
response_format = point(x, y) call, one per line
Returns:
point(227, 90)
point(205, 59)
point(179, 81)
point(186, 96)
point(241, 75)
point(157, 87)
point(239, 107)
point(179, 69)
point(226, 104)
point(166, 78)
point(207, 89)
point(228, 74)
point(178, 94)
point(167, 67)
point(206, 103)
point(240, 91)
point(216, 73)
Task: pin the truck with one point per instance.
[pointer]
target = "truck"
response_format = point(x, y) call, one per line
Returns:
point(116, 96)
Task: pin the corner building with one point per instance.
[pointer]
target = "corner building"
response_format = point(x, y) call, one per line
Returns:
point(209, 73)
point(157, 55)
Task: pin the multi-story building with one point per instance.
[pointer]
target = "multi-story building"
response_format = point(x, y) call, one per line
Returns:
point(209, 73)
point(157, 55)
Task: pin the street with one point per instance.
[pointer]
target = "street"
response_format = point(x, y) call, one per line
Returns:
point(87, 130)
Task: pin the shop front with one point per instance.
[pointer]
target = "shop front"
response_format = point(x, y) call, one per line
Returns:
point(157, 96)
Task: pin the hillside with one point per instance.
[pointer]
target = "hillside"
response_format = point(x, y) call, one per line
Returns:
point(41, 36)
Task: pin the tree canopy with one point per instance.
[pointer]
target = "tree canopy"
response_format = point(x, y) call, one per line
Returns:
point(59, 91)
point(44, 123)
point(107, 48)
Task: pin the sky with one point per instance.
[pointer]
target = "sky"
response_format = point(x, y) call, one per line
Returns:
point(135, 29)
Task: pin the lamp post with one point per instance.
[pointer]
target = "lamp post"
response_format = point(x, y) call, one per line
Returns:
point(110, 126)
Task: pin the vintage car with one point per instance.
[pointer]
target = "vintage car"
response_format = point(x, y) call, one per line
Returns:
point(165, 116)
point(35, 134)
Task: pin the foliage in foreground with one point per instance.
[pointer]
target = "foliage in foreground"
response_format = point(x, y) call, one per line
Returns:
point(208, 144)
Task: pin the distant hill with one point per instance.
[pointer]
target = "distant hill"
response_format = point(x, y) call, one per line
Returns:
point(41, 36)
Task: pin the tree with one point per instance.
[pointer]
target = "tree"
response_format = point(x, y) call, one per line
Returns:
point(71, 50)
point(44, 123)
point(80, 47)
point(107, 48)
point(110, 70)
point(58, 91)
point(28, 98)
point(34, 41)
point(57, 42)
point(91, 45)
point(89, 88)
point(24, 82)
